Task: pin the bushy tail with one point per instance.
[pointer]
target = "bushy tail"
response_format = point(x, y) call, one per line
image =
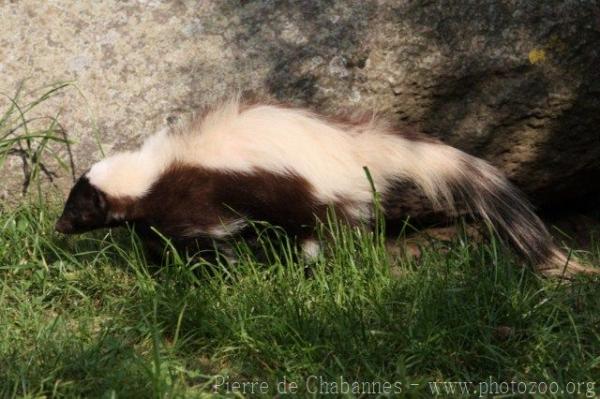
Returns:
point(474, 186)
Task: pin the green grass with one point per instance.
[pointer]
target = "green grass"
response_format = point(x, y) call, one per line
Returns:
point(86, 316)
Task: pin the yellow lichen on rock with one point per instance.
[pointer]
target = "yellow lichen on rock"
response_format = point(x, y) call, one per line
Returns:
point(537, 55)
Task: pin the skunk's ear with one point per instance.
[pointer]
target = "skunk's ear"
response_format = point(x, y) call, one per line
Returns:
point(99, 199)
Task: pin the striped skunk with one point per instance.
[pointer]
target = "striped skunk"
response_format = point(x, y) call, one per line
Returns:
point(205, 179)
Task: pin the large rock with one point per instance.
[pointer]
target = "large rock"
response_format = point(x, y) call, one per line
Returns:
point(515, 82)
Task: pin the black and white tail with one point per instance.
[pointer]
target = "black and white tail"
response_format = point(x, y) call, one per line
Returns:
point(469, 184)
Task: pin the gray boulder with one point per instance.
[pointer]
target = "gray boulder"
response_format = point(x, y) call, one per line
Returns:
point(514, 82)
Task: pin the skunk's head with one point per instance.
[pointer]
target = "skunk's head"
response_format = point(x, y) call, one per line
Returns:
point(86, 209)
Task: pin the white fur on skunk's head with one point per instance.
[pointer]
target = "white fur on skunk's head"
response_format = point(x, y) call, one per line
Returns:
point(86, 209)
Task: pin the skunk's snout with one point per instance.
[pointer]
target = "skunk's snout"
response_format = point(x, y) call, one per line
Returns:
point(63, 226)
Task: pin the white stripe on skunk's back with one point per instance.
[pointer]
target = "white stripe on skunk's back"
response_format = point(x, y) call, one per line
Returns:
point(329, 156)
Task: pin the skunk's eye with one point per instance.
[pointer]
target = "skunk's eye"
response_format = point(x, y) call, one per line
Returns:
point(86, 217)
